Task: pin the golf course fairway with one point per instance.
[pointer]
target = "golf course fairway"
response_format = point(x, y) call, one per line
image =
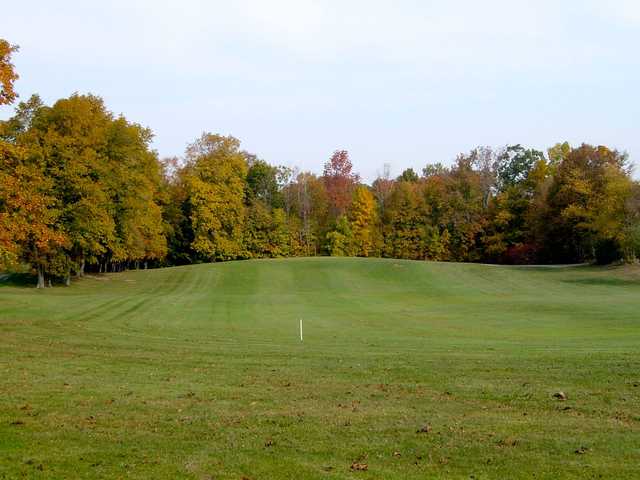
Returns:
point(408, 370)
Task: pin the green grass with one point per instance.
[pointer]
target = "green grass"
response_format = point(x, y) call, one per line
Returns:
point(198, 372)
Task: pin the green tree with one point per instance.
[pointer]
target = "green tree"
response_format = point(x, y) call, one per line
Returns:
point(340, 240)
point(176, 212)
point(586, 203)
point(509, 234)
point(515, 164)
point(263, 183)
point(408, 176)
point(266, 232)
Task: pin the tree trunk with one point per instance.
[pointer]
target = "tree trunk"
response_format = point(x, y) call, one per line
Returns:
point(40, 278)
point(49, 282)
point(67, 278)
point(81, 271)
point(145, 265)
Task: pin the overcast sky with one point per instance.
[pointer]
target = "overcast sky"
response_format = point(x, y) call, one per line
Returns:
point(402, 82)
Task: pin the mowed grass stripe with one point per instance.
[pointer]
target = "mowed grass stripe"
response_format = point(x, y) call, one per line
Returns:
point(198, 372)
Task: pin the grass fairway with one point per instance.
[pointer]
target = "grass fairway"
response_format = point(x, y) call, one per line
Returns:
point(198, 372)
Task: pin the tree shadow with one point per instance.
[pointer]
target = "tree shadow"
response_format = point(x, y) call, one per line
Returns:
point(18, 280)
point(605, 281)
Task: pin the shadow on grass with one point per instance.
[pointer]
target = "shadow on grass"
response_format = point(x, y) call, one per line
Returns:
point(610, 282)
point(18, 280)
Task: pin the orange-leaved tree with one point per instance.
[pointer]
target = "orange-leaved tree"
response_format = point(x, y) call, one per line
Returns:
point(8, 74)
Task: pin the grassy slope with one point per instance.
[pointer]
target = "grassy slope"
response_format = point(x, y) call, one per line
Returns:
point(198, 372)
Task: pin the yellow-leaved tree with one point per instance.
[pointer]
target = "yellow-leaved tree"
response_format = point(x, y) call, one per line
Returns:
point(363, 218)
point(215, 178)
point(8, 73)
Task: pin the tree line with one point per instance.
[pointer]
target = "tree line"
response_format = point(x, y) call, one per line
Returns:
point(81, 190)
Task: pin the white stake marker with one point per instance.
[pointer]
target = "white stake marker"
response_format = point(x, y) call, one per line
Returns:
point(301, 331)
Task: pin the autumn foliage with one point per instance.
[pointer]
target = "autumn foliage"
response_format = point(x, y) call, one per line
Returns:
point(82, 190)
point(8, 74)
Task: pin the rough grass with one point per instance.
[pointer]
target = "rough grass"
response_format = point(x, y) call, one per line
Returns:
point(198, 372)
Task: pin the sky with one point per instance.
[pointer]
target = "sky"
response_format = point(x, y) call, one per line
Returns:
point(403, 82)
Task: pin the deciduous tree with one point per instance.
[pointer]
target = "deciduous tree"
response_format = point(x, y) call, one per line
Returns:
point(216, 189)
point(363, 218)
point(340, 182)
point(8, 74)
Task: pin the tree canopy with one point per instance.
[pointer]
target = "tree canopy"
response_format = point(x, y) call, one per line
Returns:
point(82, 190)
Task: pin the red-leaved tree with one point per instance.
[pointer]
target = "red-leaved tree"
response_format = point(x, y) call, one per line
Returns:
point(340, 181)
